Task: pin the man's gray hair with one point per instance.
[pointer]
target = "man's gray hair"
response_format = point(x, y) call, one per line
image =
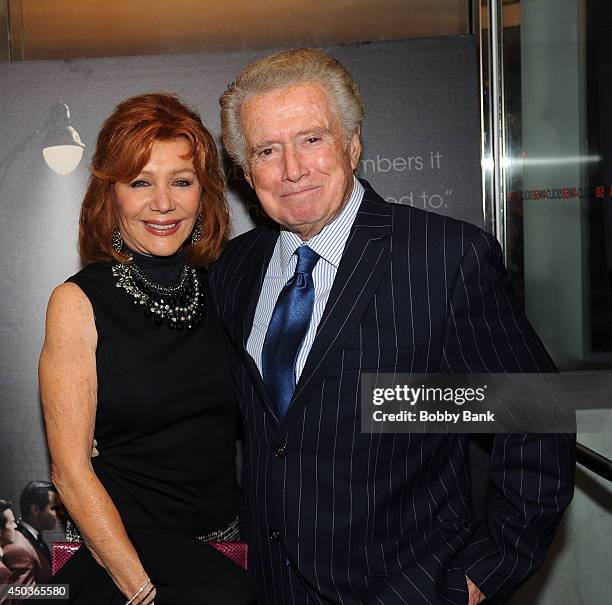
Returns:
point(288, 68)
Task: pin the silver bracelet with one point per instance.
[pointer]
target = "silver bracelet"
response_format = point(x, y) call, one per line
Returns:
point(146, 595)
point(139, 591)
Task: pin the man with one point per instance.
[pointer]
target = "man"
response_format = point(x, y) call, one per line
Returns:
point(352, 284)
point(7, 535)
point(29, 557)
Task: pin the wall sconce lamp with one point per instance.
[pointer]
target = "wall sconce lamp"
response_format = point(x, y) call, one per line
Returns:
point(62, 147)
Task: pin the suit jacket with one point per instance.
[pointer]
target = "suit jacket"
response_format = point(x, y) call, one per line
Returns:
point(5, 573)
point(336, 516)
point(6, 577)
point(29, 564)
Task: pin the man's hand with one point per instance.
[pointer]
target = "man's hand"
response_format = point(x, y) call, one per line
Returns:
point(474, 593)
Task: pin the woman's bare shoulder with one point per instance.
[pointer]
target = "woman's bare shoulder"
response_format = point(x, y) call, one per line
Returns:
point(68, 297)
point(70, 313)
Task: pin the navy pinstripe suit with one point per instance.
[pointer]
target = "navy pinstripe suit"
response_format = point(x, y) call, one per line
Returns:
point(336, 516)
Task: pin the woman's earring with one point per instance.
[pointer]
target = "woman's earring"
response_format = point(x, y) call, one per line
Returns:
point(198, 232)
point(117, 240)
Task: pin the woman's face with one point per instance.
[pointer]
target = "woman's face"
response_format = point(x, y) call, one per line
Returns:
point(158, 209)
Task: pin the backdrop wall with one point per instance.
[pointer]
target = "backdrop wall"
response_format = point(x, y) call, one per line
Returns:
point(421, 146)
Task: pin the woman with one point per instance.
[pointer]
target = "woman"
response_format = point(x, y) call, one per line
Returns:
point(134, 356)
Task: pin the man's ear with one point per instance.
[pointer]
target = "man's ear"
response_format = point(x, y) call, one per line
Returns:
point(355, 148)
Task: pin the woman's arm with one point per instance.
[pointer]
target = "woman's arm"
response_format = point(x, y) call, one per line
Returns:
point(68, 387)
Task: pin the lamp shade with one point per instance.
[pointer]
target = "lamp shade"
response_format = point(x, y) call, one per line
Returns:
point(62, 147)
point(63, 159)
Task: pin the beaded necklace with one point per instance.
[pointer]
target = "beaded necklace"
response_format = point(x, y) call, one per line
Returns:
point(180, 305)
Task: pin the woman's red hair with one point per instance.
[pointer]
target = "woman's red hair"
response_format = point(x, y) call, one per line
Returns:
point(124, 148)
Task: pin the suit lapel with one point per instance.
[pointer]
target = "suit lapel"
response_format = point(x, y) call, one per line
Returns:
point(255, 272)
point(364, 262)
point(39, 546)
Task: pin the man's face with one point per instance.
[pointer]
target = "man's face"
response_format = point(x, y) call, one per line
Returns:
point(7, 533)
point(298, 162)
point(46, 518)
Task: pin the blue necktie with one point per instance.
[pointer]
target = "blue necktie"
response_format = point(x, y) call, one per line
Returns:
point(287, 329)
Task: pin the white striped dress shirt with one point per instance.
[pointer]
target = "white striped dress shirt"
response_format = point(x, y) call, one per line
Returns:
point(329, 245)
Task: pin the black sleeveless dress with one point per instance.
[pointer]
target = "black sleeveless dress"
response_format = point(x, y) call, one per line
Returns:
point(166, 429)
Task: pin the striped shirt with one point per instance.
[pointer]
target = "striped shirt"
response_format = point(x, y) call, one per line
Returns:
point(329, 245)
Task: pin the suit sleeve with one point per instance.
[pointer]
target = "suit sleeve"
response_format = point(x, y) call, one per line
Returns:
point(532, 475)
point(21, 564)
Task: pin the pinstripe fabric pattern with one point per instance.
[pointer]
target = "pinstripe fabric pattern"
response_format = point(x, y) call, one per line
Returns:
point(336, 516)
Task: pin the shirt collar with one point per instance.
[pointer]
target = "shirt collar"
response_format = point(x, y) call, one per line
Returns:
point(330, 241)
point(30, 529)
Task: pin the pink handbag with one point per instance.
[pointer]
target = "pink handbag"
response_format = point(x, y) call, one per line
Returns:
point(62, 551)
